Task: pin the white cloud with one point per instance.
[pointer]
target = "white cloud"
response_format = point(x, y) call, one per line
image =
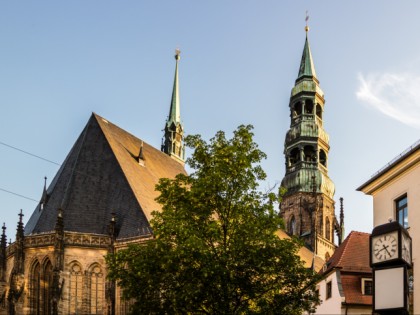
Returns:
point(395, 95)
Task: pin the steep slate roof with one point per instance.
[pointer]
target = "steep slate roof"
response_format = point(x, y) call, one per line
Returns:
point(352, 259)
point(101, 175)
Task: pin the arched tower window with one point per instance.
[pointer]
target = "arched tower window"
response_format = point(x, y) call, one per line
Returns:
point(309, 107)
point(297, 109)
point(292, 226)
point(327, 229)
point(327, 256)
point(96, 284)
point(323, 157)
point(319, 111)
point(309, 153)
point(294, 156)
point(321, 225)
point(75, 288)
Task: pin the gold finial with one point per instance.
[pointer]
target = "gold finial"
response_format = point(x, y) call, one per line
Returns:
point(177, 54)
point(306, 20)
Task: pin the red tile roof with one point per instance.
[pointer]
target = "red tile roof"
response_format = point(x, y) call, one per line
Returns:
point(352, 255)
point(352, 260)
point(352, 287)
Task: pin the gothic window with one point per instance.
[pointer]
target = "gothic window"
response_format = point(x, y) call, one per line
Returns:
point(327, 256)
point(327, 229)
point(46, 287)
point(309, 107)
point(97, 286)
point(321, 225)
point(35, 289)
point(292, 226)
point(75, 289)
point(294, 156)
point(322, 157)
point(125, 305)
point(309, 153)
point(319, 111)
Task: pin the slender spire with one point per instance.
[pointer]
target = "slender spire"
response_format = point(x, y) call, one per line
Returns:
point(307, 68)
point(19, 251)
point(44, 197)
point(172, 142)
point(174, 111)
point(342, 218)
point(3, 259)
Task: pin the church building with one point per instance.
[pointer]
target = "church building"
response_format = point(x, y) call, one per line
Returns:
point(103, 196)
point(308, 205)
point(100, 200)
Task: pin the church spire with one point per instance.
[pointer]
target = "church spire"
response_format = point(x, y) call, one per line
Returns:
point(174, 111)
point(308, 203)
point(307, 68)
point(172, 142)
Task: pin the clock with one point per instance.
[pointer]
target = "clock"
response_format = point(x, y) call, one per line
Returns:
point(385, 247)
point(390, 244)
point(406, 248)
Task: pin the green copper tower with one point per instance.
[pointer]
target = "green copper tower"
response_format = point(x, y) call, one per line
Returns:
point(308, 206)
point(172, 142)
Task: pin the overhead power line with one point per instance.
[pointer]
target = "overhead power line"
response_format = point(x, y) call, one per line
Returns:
point(19, 195)
point(29, 153)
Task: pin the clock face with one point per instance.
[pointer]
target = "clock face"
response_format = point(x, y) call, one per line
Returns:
point(385, 247)
point(406, 248)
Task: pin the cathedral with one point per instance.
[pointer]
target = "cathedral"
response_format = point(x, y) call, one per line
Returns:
point(100, 200)
point(103, 196)
point(308, 207)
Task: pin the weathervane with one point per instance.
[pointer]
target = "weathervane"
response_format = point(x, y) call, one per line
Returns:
point(177, 54)
point(306, 20)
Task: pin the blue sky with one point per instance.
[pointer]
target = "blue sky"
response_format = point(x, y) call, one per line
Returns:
point(62, 60)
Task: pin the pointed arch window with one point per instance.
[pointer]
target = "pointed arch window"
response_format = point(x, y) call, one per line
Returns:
point(321, 225)
point(327, 256)
point(75, 288)
point(46, 287)
point(41, 280)
point(292, 226)
point(327, 229)
point(35, 289)
point(97, 286)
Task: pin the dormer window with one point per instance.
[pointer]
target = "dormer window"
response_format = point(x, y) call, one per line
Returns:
point(367, 286)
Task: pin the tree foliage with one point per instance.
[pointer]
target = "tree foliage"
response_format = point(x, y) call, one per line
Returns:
point(215, 248)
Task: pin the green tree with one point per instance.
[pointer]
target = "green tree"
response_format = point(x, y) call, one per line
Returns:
point(215, 248)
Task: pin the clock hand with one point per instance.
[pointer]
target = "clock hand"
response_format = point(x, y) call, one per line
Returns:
point(386, 249)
